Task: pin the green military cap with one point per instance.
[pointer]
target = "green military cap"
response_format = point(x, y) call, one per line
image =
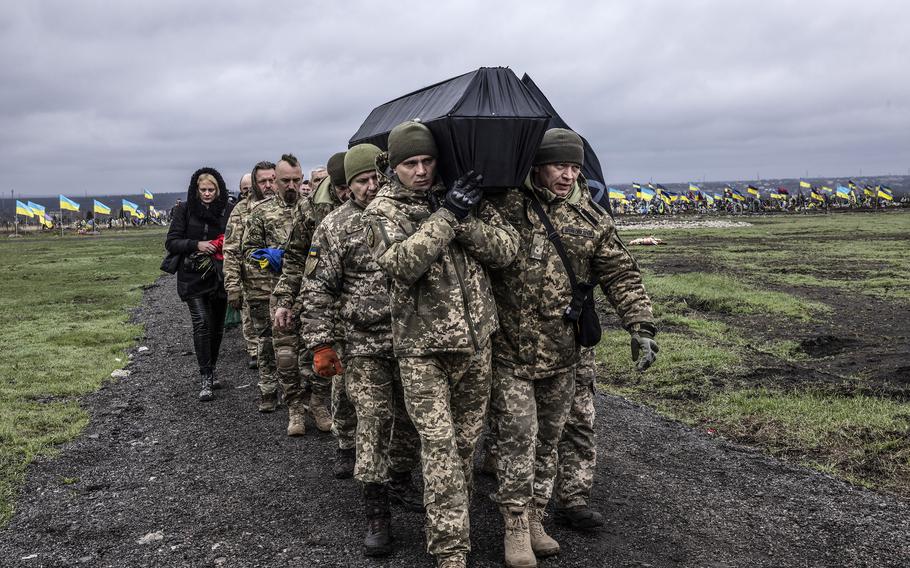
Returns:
point(560, 145)
point(410, 139)
point(361, 158)
point(335, 167)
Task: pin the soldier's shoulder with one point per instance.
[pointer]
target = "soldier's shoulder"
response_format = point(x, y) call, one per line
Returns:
point(262, 204)
point(340, 216)
point(592, 212)
point(383, 205)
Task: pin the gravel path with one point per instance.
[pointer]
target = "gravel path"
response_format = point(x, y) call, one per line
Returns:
point(158, 479)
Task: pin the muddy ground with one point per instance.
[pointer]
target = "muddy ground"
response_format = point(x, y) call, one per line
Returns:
point(158, 479)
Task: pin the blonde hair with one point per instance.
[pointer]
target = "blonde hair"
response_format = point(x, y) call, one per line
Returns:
point(209, 178)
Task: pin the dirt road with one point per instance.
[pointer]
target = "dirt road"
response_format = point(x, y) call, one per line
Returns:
point(158, 479)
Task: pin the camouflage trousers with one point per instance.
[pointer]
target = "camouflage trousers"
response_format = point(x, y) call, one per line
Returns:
point(529, 416)
point(578, 447)
point(446, 397)
point(345, 416)
point(261, 319)
point(313, 383)
point(249, 332)
point(386, 438)
point(286, 344)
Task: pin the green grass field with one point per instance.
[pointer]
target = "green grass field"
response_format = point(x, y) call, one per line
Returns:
point(65, 309)
point(736, 299)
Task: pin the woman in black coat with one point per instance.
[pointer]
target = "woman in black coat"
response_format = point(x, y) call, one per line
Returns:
point(197, 233)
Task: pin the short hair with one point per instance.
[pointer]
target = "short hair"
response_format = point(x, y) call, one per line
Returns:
point(290, 159)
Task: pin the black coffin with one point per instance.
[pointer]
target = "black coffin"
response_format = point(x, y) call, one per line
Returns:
point(485, 120)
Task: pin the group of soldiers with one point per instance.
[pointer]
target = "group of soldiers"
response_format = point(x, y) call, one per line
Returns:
point(407, 317)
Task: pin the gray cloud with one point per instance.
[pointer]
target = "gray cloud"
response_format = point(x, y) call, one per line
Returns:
point(113, 97)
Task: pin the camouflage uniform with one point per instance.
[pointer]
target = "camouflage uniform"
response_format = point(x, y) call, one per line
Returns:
point(309, 213)
point(233, 267)
point(343, 284)
point(443, 314)
point(269, 225)
point(536, 350)
point(577, 446)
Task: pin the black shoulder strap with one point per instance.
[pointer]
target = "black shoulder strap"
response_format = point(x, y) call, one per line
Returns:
point(554, 238)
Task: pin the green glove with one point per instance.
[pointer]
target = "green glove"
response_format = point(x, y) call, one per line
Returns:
point(644, 349)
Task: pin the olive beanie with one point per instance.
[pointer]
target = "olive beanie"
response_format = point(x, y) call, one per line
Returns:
point(361, 158)
point(560, 145)
point(410, 139)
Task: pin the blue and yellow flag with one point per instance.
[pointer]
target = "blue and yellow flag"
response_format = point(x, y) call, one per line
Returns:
point(805, 184)
point(826, 189)
point(694, 188)
point(851, 184)
point(100, 208)
point(884, 192)
point(148, 195)
point(636, 186)
point(68, 204)
point(752, 190)
point(814, 194)
point(129, 207)
point(843, 192)
point(23, 209)
point(646, 193)
point(614, 193)
point(36, 208)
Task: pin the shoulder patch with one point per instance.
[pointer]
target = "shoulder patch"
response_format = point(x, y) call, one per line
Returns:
point(312, 260)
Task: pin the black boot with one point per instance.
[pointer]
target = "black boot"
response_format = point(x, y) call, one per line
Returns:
point(205, 394)
point(403, 491)
point(216, 382)
point(378, 538)
point(344, 464)
point(579, 517)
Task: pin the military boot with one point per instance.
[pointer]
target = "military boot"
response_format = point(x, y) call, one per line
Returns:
point(403, 491)
point(253, 363)
point(579, 517)
point(206, 394)
point(517, 542)
point(296, 426)
point(455, 561)
point(378, 538)
point(344, 464)
point(542, 543)
point(216, 382)
point(488, 465)
point(319, 408)
point(268, 402)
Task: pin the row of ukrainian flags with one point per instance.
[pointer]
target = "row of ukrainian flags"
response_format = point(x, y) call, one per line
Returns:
point(33, 210)
point(695, 193)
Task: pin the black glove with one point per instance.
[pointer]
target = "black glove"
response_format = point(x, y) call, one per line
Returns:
point(644, 349)
point(464, 194)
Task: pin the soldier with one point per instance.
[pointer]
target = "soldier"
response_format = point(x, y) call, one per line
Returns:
point(435, 246)
point(261, 185)
point(307, 216)
point(317, 174)
point(268, 227)
point(343, 284)
point(578, 452)
point(536, 349)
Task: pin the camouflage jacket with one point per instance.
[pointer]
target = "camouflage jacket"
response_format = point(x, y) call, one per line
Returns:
point(233, 240)
point(268, 224)
point(533, 292)
point(307, 216)
point(439, 290)
point(344, 285)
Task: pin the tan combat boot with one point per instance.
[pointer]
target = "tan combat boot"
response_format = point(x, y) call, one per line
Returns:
point(455, 561)
point(296, 427)
point(517, 542)
point(319, 408)
point(542, 543)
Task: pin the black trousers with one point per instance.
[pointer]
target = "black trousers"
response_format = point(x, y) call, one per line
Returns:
point(207, 315)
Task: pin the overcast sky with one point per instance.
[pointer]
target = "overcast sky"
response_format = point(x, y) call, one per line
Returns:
point(112, 97)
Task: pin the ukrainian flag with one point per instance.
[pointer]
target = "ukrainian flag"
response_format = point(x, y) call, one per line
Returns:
point(694, 188)
point(752, 190)
point(737, 195)
point(708, 199)
point(843, 192)
point(646, 193)
point(615, 193)
point(851, 184)
point(885, 193)
point(140, 214)
point(130, 207)
point(68, 204)
point(826, 189)
point(23, 209)
point(36, 209)
point(636, 186)
point(805, 184)
point(868, 191)
point(777, 196)
point(101, 209)
point(148, 195)
point(816, 195)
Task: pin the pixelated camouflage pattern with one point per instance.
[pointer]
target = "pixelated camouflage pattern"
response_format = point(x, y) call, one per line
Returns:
point(385, 437)
point(233, 241)
point(439, 290)
point(308, 214)
point(286, 343)
point(529, 416)
point(249, 333)
point(261, 318)
point(446, 397)
point(344, 286)
point(578, 446)
point(532, 293)
point(268, 225)
point(344, 414)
